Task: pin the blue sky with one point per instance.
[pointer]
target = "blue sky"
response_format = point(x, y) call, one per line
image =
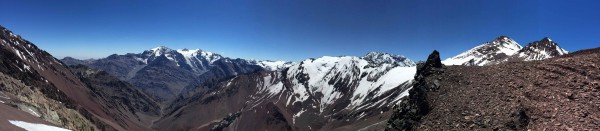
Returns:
point(297, 29)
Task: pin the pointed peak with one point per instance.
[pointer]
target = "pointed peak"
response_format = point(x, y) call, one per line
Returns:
point(158, 51)
point(159, 48)
point(547, 39)
point(505, 41)
point(503, 37)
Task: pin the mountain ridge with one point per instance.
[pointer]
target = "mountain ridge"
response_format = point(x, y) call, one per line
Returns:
point(326, 93)
point(41, 85)
point(504, 49)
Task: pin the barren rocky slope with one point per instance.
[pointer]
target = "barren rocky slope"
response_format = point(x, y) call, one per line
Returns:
point(35, 82)
point(130, 102)
point(561, 93)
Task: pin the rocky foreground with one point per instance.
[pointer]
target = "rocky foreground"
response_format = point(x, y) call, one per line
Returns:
point(561, 93)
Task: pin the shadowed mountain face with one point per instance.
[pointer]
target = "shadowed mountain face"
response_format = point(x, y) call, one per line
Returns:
point(119, 95)
point(561, 93)
point(163, 73)
point(37, 83)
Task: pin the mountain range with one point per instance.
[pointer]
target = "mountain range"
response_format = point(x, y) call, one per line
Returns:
point(504, 49)
point(163, 73)
point(183, 89)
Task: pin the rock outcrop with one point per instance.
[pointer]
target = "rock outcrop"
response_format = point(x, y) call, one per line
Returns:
point(412, 108)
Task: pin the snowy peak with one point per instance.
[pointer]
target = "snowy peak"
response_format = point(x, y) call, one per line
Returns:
point(379, 58)
point(542, 49)
point(504, 49)
point(161, 50)
point(546, 39)
point(188, 53)
point(211, 57)
point(272, 65)
point(504, 39)
point(504, 42)
point(488, 53)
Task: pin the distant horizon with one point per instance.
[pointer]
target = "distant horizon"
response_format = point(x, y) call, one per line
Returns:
point(297, 30)
point(306, 58)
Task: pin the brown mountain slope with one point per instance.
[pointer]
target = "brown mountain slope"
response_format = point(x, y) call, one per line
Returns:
point(131, 103)
point(561, 93)
point(39, 82)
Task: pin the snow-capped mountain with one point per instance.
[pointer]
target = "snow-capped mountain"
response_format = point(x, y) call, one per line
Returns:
point(326, 93)
point(378, 58)
point(272, 65)
point(164, 73)
point(200, 61)
point(194, 60)
point(488, 53)
point(504, 49)
point(320, 76)
point(539, 50)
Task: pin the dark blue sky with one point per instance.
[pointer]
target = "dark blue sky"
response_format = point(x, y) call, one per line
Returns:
point(297, 29)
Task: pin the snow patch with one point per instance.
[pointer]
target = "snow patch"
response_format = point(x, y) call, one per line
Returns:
point(35, 127)
point(27, 67)
point(33, 112)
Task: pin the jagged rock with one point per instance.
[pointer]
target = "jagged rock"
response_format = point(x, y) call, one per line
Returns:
point(412, 108)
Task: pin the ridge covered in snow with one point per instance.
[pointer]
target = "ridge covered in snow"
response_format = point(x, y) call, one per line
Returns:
point(272, 65)
point(539, 50)
point(487, 53)
point(504, 49)
point(323, 76)
point(379, 58)
point(198, 60)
